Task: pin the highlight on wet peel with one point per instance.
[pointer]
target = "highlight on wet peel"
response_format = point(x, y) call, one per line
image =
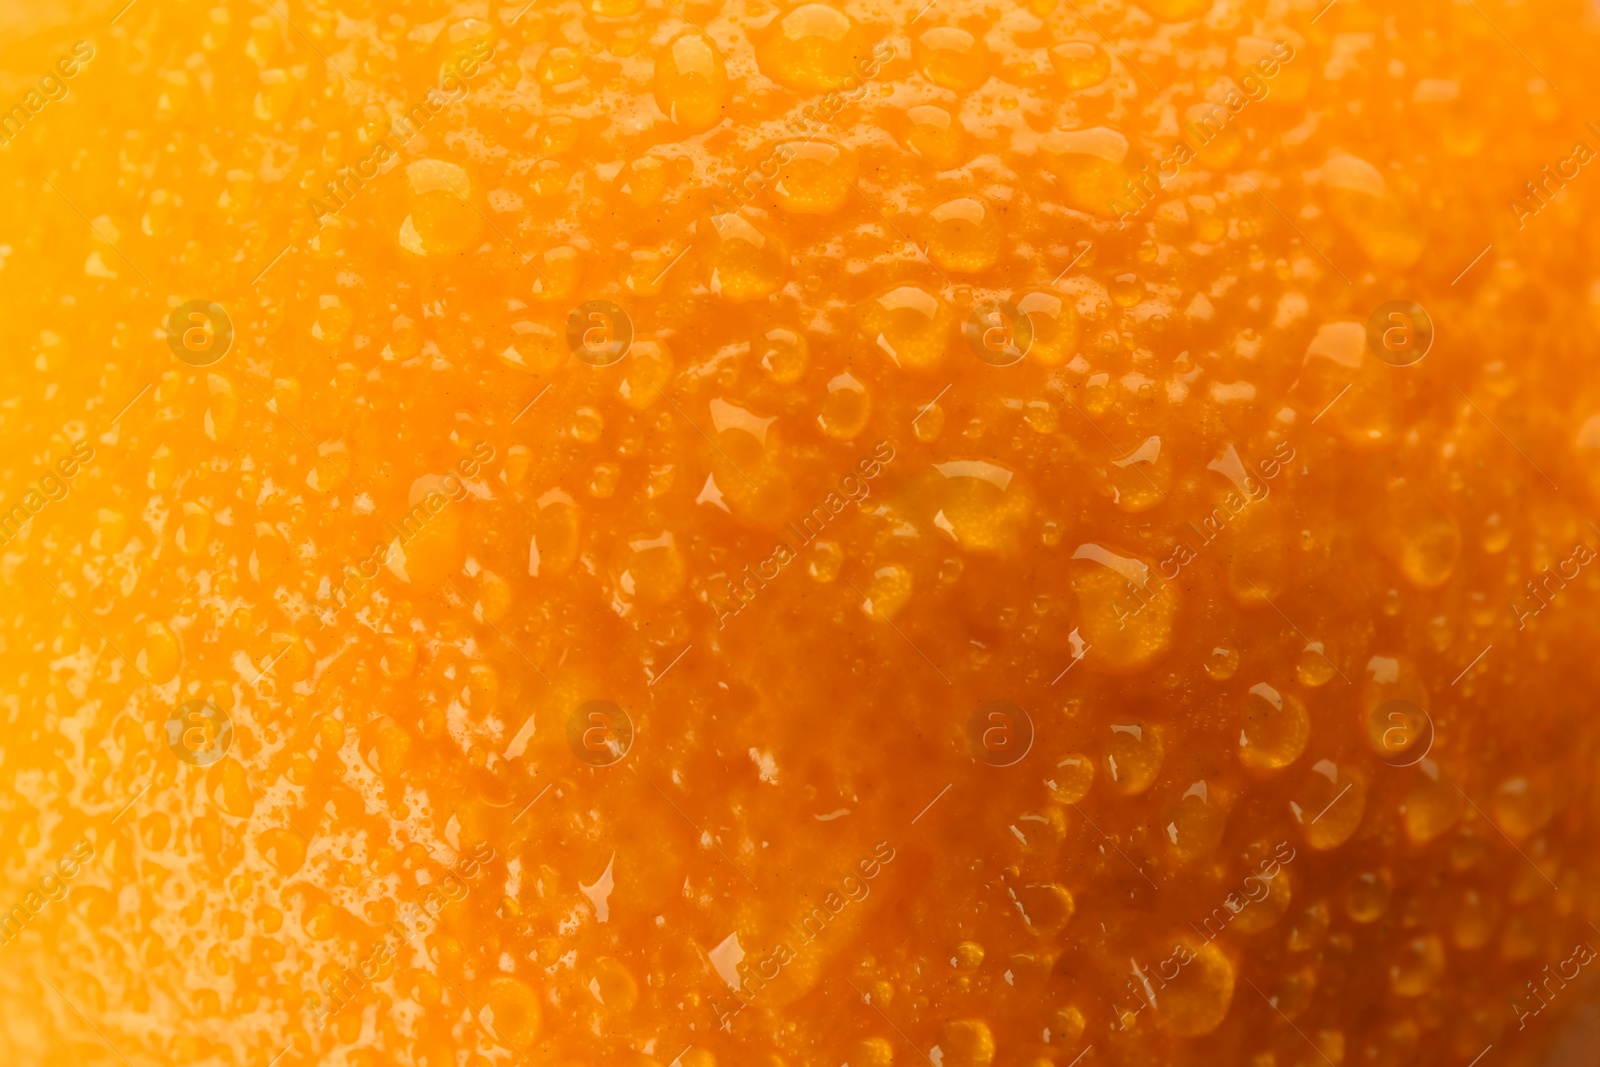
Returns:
point(675, 534)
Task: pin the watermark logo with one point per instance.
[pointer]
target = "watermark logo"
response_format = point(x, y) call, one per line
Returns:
point(199, 332)
point(599, 332)
point(199, 733)
point(1401, 732)
point(999, 733)
point(599, 733)
point(1400, 332)
point(998, 333)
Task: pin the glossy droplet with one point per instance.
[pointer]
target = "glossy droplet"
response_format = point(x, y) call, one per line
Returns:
point(1141, 479)
point(1313, 667)
point(844, 411)
point(1046, 908)
point(935, 135)
point(1193, 824)
point(1054, 326)
point(1422, 537)
point(1197, 1000)
point(559, 65)
point(442, 220)
point(554, 535)
point(1260, 908)
point(909, 325)
point(816, 180)
point(1417, 965)
point(194, 532)
point(889, 592)
point(556, 273)
point(1275, 728)
point(1394, 708)
point(511, 1008)
point(814, 48)
point(1475, 920)
point(962, 235)
point(1432, 805)
point(691, 82)
point(1221, 663)
point(649, 569)
point(1328, 805)
point(1133, 757)
point(826, 558)
point(981, 506)
point(1092, 172)
point(953, 58)
point(1366, 896)
point(1521, 806)
point(645, 373)
point(1070, 780)
point(159, 657)
point(745, 262)
point(1125, 611)
point(1080, 64)
point(1383, 221)
point(783, 354)
point(966, 1043)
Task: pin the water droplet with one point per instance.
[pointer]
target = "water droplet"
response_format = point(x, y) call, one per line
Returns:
point(979, 505)
point(889, 592)
point(1072, 777)
point(1313, 667)
point(1328, 805)
point(1382, 220)
point(1092, 173)
point(817, 178)
point(814, 48)
point(1432, 804)
point(936, 136)
point(745, 262)
point(442, 220)
point(844, 411)
point(966, 1043)
point(909, 325)
point(1080, 64)
point(691, 82)
point(649, 569)
point(1197, 1000)
point(952, 58)
point(1417, 966)
point(1521, 806)
point(1221, 663)
point(1054, 327)
point(783, 354)
point(1275, 728)
point(826, 559)
point(1193, 824)
point(962, 235)
point(1366, 897)
point(1127, 612)
point(1133, 757)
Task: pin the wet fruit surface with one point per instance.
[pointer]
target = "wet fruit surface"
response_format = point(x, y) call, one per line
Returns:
point(617, 532)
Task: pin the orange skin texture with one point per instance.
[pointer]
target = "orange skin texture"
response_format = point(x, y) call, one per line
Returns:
point(799, 535)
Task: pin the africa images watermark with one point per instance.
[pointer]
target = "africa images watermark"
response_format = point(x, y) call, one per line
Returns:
point(356, 576)
point(1250, 490)
point(814, 118)
point(853, 488)
point(1213, 121)
point(52, 87)
point(748, 975)
point(452, 88)
point(1580, 556)
point(47, 490)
